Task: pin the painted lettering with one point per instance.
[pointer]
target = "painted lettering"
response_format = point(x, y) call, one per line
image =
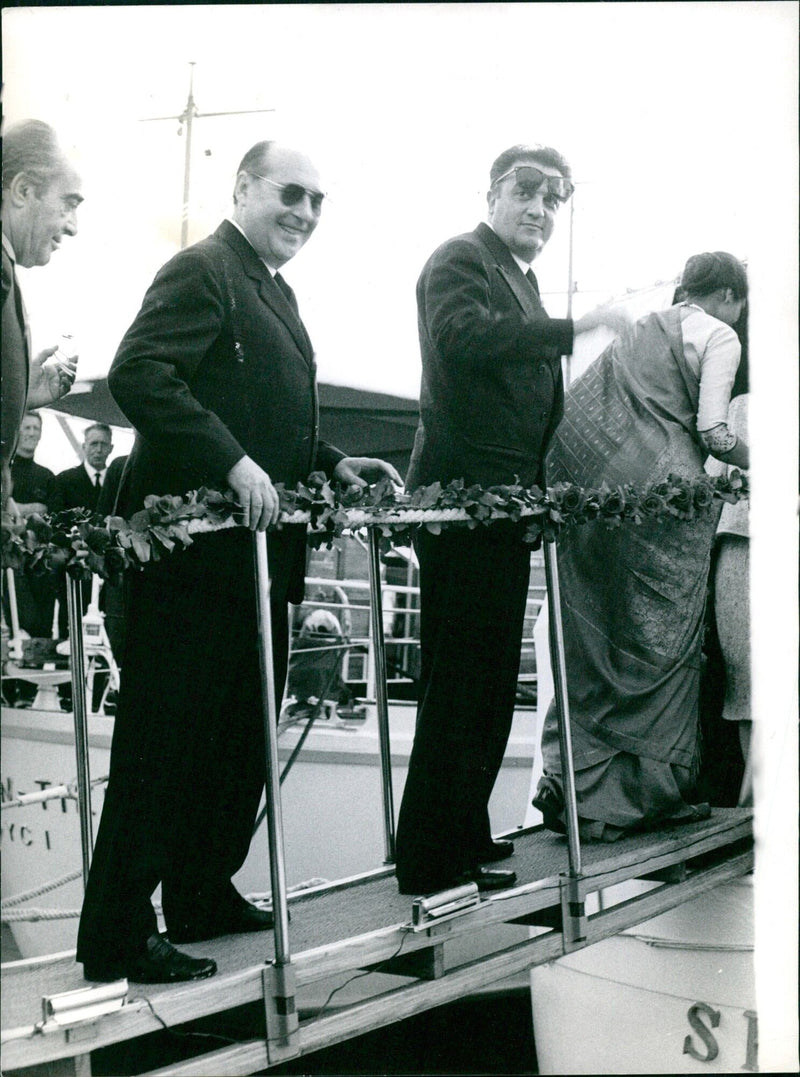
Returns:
point(751, 1060)
point(42, 786)
point(25, 836)
point(694, 1014)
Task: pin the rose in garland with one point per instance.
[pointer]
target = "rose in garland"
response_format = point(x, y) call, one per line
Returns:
point(82, 543)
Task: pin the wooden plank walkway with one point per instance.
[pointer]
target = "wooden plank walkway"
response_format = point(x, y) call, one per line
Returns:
point(363, 922)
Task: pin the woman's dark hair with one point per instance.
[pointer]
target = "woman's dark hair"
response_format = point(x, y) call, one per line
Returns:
point(706, 273)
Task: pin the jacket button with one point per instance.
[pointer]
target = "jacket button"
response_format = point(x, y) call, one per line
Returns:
point(542, 368)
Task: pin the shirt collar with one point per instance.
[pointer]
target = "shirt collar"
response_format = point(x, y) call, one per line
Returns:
point(92, 471)
point(9, 249)
point(272, 270)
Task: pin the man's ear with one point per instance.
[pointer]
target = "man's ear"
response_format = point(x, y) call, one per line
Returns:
point(21, 190)
point(241, 184)
point(491, 198)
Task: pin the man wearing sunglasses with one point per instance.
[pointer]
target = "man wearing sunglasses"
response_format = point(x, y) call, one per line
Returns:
point(217, 375)
point(491, 397)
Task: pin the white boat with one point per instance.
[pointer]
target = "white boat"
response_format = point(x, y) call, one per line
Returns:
point(675, 994)
point(331, 806)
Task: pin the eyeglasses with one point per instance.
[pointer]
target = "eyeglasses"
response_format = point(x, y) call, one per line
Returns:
point(293, 193)
point(530, 181)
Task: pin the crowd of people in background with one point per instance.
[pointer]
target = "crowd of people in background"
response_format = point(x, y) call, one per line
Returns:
point(41, 605)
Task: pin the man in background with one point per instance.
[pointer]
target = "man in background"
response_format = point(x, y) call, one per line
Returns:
point(81, 486)
point(33, 484)
point(41, 195)
point(35, 595)
point(491, 397)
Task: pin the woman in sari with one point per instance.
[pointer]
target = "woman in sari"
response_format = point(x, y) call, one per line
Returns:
point(633, 597)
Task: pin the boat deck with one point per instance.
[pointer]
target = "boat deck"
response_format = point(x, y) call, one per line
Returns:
point(364, 922)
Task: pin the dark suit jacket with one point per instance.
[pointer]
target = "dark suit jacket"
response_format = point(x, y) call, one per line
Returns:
point(106, 503)
point(15, 358)
point(216, 365)
point(492, 390)
point(73, 489)
point(32, 482)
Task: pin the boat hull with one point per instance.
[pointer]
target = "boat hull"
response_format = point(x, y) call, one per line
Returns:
point(332, 806)
point(675, 994)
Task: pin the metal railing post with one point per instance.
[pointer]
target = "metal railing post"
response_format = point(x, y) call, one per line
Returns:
point(558, 662)
point(79, 711)
point(277, 863)
point(381, 693)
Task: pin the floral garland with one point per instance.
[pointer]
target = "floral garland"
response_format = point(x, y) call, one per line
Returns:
point(81, 542)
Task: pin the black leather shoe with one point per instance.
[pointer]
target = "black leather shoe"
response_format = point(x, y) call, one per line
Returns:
point(488, 880)
point(161, 963)
point(498, 850)
point(549, 800)
point(237, 921)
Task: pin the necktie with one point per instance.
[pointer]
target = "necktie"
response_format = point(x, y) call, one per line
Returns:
point(97, 482)
point(292, 301)
point(533, 281)
point(287, 291)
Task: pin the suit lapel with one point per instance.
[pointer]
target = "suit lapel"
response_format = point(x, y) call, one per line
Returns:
point(277, 301)
point(521, 288)
point(268, 290)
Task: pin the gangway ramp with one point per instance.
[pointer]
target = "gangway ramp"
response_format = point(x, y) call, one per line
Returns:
point(363, 924)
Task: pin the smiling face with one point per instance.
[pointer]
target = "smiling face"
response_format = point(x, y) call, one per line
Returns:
point(30, 434)
point(277, 231)
point(41, 215)
point(524, 221)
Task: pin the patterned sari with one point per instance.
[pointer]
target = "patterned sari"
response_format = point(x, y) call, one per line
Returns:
point(632, 597)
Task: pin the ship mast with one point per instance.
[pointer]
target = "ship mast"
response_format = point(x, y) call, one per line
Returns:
point(186, 120)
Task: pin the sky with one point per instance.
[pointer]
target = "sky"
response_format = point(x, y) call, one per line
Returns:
point(403, 107)
point(679, 119)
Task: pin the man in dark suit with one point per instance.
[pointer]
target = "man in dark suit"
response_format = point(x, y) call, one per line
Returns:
point(81, 486)
point(491, 397)
point(35, 595)
point(217, 376)
point(41, 195)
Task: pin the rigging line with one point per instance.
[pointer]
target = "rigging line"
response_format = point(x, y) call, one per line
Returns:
point(228, 1041)
point(358, 976)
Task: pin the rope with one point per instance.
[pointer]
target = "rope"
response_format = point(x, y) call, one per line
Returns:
point(34, 915)
point(56, 792)
point(45, 888)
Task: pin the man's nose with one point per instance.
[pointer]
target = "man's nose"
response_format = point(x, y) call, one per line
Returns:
point(71, 223)
point(535, 205)
point(304, 209)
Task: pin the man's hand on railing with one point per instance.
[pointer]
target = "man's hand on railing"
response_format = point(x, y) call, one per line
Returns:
point(255, 493)
point(349, 470)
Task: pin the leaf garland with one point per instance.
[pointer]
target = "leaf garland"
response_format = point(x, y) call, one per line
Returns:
point(81, 542)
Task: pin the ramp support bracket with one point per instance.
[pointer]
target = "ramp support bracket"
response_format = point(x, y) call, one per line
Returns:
point(282, 1022)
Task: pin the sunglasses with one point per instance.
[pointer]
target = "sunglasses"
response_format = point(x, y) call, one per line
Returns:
point(531, 180)
point(292, 193)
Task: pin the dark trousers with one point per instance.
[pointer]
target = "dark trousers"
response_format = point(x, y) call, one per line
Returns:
point(473, 591)
point(187, 757)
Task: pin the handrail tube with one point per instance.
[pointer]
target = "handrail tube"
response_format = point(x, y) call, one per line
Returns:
point(381, 694)
point(558, 662)
point(277, 861)
point(80, 721)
